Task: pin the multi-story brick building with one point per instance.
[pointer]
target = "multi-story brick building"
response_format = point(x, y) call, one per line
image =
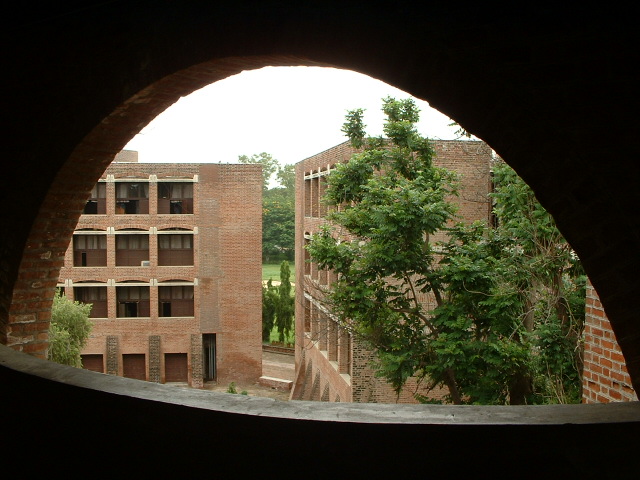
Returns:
point(170, 257)
point(332, 365)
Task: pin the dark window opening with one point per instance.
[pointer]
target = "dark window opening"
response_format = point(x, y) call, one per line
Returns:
point(133, 301)
point(89, 250)
point(91, 207)
point(128, 309)
point(174, 249)
point(132, 250)
point(97, 202)
point(132, 198)
point(175, 198)
point(175, 206)
point(175, 301)
point(96, 296)
point(209, 356)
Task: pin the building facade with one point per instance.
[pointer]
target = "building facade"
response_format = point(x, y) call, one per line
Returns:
point(169, 255)
point(332, 365)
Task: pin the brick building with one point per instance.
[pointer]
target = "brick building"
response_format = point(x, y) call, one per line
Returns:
point(332, 365)
point(170, 257)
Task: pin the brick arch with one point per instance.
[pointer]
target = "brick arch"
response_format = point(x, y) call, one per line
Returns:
point(498, 75)
point(184, 227)
point(133, 281)
point(166, 279)
point(86, 227)
point(28, 319)
point(88, 279)
point(133, 176)
point(552, 90)
point(132, 227)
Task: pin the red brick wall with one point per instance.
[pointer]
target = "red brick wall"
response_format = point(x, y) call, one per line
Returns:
point(232, 285)
point(226, 271)
point(605, 377)
point(471, 160)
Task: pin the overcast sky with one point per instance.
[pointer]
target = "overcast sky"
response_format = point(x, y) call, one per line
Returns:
point(290, 112)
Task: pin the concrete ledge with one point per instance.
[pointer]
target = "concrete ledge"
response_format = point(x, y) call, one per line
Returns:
point(276, 383)
point(628, 412)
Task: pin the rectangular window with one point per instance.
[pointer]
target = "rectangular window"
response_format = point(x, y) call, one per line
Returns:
point(307, 197)
point(133, 301)
point(175, 198)
point(132, 198)
point(175, 301)
point(96, 296)
point(132, 250)
point(97, 203)
point(89, 250)
point(175, 249)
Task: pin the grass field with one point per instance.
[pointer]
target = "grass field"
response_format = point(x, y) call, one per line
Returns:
point(272, 270)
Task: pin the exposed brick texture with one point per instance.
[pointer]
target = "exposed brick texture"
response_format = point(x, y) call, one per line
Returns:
point(223, 269)
point(605, 377)
point(547, 88)
point(340, 364)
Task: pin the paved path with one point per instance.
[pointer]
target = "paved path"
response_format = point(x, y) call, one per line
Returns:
point(276, 365)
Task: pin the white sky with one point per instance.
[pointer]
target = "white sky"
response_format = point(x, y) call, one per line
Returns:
point(289, 112)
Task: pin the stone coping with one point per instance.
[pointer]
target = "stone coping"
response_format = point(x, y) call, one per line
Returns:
point(623, 412)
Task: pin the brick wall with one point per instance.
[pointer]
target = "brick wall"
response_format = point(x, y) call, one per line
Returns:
point(226, 226)
point(605, 377)
point(471, 160)
point(368, 388)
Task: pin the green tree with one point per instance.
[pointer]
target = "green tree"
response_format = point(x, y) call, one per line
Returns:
point(69, 329)
point(285, 304)
point(278, 227)
point(278, 207)
point(491, 337)
point(269, 301)
point(278, 306)
point(286, 176)
point(269, 166)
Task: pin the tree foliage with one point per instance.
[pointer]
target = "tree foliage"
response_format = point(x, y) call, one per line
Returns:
point(493, 314)
point(269, 301)
point(285, 306)
point(278, 207)
point(69, 330)
point(269, 166)
point(278, 306)
point(278, 225)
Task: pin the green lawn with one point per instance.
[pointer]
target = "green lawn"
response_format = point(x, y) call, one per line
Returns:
point(272, 270)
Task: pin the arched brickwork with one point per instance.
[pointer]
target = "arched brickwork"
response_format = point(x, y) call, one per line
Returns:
point(544, 109)
point(47, 242)
point(552, 91)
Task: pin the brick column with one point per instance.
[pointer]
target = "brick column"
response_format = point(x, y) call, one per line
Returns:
point(332, 342)
point(343, 351)
point(155, 374)
point(197, 367)
point(113, 355)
